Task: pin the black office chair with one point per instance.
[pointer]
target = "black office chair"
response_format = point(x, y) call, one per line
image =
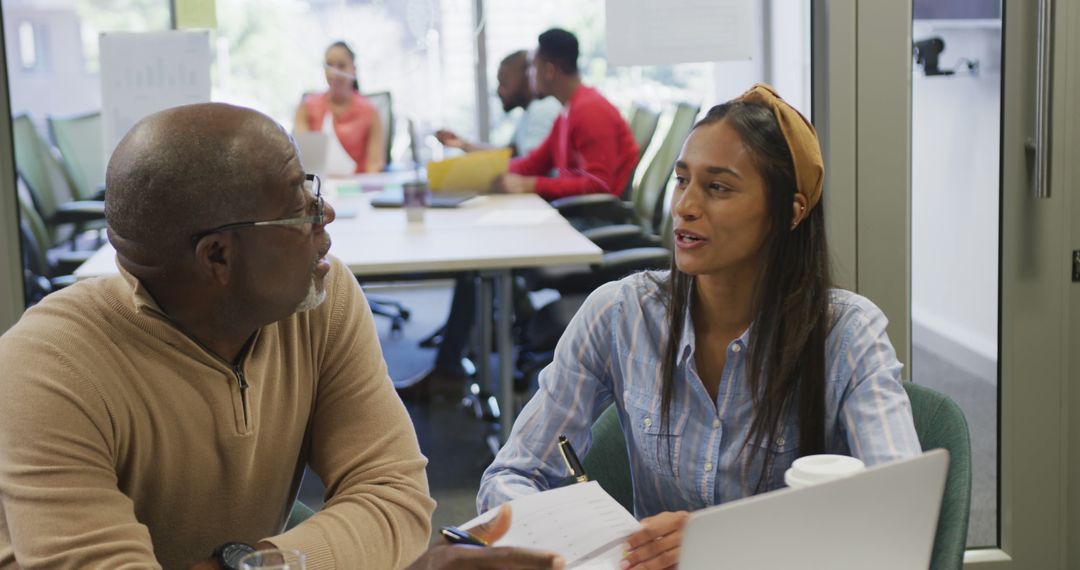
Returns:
point(397, 312)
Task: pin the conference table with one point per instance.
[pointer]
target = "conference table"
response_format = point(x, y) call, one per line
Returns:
point(488, 236)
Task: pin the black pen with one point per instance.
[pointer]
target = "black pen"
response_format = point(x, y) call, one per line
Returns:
point(572, 461)
point(461, 536)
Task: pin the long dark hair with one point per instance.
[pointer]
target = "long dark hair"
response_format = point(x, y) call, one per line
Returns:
point(791, 321)
point(352, 58)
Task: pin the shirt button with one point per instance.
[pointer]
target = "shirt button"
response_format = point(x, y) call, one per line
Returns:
point(736, 348)
point(647, 422)
point(780, 441)
point(708, 466)
point(716, 424)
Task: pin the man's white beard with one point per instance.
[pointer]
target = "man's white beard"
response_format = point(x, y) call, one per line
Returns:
point(313, 299)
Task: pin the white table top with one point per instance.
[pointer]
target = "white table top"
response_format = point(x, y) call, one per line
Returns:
point(487, 232)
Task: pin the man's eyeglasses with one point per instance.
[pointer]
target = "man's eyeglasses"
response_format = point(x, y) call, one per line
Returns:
point(312, 184)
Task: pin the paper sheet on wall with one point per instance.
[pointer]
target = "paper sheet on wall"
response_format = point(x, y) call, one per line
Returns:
point(662, 32)
point(196, 14)
point(581, 522)
point(142, 73)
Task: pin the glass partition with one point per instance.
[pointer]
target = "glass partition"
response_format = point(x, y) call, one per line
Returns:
point(955, 204)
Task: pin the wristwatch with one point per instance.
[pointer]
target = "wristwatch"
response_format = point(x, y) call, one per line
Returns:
point(230, 553)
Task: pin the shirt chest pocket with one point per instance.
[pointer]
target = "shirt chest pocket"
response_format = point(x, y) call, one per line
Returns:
point(658, 446)
point(785, 447)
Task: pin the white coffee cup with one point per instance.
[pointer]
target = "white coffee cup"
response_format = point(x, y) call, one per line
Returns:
point(814, 469)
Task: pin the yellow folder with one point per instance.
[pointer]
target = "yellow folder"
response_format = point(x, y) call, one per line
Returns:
point(473, 171)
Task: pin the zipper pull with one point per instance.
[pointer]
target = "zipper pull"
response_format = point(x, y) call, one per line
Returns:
point(239, 371)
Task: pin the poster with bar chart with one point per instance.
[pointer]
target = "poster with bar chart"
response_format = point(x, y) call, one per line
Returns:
point(142, 73)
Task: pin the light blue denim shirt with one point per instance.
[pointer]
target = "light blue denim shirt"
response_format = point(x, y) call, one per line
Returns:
point(535, 124)
point(612, 352)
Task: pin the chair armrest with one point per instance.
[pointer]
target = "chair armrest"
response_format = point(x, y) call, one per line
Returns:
point(612, 267)
point(621, 236)
point(624, 262)
point(62, 281)
point(605, 207)
point(79, 211)
point(68, 261)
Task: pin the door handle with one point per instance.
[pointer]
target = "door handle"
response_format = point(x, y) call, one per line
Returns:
point(1044, 43)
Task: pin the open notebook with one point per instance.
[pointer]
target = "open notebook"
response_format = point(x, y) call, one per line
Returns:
point(581, 522)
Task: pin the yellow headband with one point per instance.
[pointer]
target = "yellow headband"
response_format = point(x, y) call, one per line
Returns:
point(801, 139)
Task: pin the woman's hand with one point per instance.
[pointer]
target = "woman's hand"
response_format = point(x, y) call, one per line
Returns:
point(656, 546)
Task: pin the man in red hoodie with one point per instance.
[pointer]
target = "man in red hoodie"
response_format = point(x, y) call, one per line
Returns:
point(590, 148)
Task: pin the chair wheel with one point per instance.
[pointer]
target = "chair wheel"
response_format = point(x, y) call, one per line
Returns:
point(397, 326)
point(405, 313)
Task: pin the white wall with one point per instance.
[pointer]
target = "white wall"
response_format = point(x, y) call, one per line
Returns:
point(955, 198)
point(789, 70)
point(62, 86)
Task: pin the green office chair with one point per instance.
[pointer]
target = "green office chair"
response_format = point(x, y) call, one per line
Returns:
point(44, 270)
point(637, 223)
point(79, 140)
point(44, 178)
point(48, 262)
point(383, 104)
point(939, 422)
point(607, 462)
point(642, 121)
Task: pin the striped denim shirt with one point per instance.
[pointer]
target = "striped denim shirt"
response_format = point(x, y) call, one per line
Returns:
point(612, 353)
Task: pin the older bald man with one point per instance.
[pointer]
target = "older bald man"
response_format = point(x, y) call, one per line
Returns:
point(159, 416)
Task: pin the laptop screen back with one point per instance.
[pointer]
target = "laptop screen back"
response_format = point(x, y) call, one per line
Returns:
point(883, 518)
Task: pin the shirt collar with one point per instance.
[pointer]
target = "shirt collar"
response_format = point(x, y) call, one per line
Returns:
point(688, 342)
point(141, 299)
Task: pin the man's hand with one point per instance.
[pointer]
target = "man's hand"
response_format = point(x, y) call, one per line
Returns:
point(449, 139)
point(656, 546)
point(510, 183)
point(445, 556)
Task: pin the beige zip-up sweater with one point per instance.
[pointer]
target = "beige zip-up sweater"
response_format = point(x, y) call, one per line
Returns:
point(125, 444)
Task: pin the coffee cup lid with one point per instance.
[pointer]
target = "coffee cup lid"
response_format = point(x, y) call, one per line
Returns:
point(814, 469)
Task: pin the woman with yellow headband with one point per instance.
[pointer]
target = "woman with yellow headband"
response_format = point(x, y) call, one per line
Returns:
point(734, 363)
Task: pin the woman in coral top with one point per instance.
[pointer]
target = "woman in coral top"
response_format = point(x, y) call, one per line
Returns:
point(355, 120)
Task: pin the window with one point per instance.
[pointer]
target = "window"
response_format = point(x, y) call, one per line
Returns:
point(269, 53)
point(515, 24)
point(27, 46)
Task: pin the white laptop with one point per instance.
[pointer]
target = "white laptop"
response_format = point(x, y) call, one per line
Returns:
point(884, 518)
point(323, 155)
